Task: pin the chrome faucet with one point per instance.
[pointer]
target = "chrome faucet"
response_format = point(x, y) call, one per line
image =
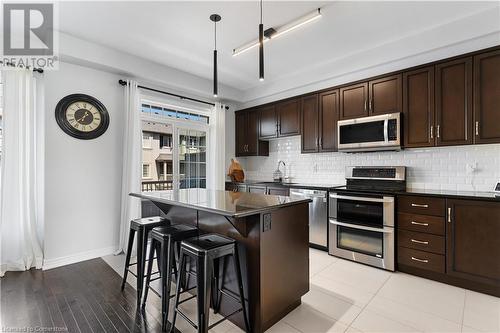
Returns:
point(277, 174)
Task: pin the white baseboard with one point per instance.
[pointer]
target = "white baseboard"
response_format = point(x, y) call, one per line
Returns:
point(78, 257)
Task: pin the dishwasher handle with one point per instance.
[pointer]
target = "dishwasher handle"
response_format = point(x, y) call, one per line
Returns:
point(322, 194)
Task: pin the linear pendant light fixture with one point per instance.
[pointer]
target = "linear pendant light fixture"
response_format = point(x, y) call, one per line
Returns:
point(272, 33)
point(215, 18)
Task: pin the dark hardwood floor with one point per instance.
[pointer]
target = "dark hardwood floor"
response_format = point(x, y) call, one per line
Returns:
point(83, 297)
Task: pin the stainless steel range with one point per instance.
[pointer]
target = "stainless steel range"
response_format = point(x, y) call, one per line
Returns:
point(361, 215)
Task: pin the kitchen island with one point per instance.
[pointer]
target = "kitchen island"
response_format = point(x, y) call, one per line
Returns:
point(272, 233)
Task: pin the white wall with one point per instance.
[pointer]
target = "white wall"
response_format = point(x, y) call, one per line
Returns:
point(442, 168)
point(82, 177)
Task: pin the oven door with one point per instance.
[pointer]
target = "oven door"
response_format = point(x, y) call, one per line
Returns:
point(362, 209)
point(369, 133)
point(367, 245)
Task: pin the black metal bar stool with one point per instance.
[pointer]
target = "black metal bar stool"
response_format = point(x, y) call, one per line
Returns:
point(204, 251)
point(165, 240)
point(142, 227)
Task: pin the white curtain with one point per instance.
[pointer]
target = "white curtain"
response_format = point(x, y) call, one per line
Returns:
point(21, 194)
point(217, 147)
point(132, 162)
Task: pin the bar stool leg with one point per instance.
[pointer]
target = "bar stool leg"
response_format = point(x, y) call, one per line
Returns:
point(166, 279)
point(182, 269)
point(150, 268)
point(237, 269)
point(204, 269)
point(142, 243)
point(216, 297)
point(130, 246)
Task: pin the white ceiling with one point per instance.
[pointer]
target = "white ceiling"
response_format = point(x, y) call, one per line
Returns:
point(180, 34)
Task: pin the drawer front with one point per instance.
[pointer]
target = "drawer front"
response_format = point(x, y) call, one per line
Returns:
point(422, 223)
point(420, 259)
point(421, 241)
point(421, 205)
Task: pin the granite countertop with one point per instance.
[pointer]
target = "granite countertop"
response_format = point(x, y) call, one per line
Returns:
point(291, 185)
point(491, 196)
point(231, 204)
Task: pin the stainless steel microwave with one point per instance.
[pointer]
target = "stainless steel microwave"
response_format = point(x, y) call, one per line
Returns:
point(370, 133)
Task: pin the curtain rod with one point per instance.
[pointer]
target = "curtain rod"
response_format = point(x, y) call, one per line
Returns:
point(123, 83)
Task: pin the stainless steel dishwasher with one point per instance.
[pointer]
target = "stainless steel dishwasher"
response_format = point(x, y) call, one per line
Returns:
point(318, 215)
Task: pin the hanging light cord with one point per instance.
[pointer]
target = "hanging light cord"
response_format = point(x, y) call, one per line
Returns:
point(215, 33)
point(260, 11)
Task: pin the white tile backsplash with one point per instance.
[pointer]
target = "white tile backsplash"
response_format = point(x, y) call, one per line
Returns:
point(440, 168)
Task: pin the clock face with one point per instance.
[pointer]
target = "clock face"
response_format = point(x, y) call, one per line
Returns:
point(82, 116)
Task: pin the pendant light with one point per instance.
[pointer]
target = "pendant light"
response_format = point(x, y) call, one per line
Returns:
point(215, 18)
point(261, 46)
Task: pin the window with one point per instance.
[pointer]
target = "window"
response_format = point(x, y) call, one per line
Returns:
point(162, 112)
point(176, 141)
point(166, 141)
point(146, 172)
point(146, 140)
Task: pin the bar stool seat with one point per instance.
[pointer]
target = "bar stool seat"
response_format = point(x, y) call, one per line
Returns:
point(207, 250)
point(142, 227)
point(165, 240)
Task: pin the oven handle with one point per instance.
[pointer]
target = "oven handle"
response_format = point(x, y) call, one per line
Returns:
point(384, 199)
point(385, 230)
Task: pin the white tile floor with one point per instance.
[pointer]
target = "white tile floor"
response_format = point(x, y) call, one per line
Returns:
point(352, 298)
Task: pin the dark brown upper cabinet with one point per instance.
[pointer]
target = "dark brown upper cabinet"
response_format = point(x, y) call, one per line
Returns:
point(247, 135)
point(371, 98)
point(454, 102)
point(418, 107)
point(473, 241)
point(328, 117)
point(288, 115)
point(319, 122)
point(268, 123)
point(310, 124)
point(385, 95)
point(487, 97)
point(354, 101)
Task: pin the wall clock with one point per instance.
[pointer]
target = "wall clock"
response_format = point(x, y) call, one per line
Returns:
point(82, 116)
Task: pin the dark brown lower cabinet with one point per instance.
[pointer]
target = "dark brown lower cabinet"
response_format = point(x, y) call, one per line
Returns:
point(461, 247)
point(473, 241)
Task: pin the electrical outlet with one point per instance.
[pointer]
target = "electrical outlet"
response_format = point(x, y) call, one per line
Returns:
point(267, 222)
point(471, 167)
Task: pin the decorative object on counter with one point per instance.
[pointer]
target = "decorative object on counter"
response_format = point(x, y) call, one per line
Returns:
point(236, 172)
point(82, 116)
point(277, 174)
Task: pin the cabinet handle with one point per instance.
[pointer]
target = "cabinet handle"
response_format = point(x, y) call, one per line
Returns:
point(449, 214)
point(321, 142)
point(419, 205)
point(365, 105)
point(437, 130)
point(420, 260)
point(419, 241)
point(432, 132)
point(371, 105)
point(420, 223)
point(477, 128)
point(317, 142)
